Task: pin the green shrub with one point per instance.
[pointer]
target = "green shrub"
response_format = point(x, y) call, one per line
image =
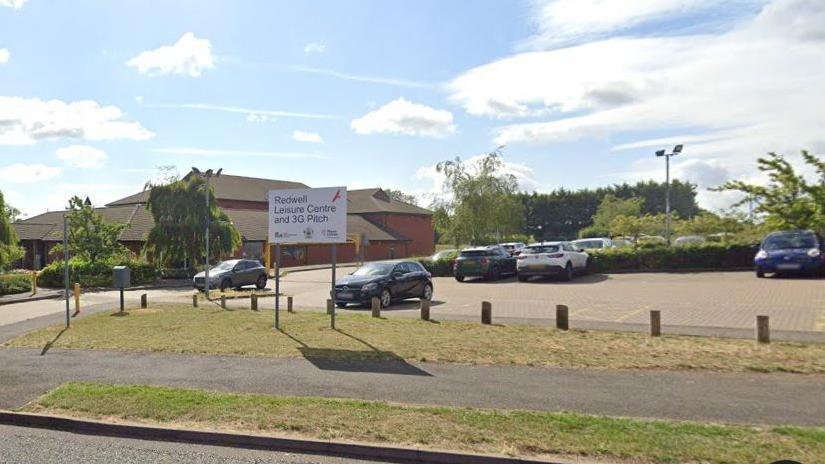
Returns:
point(708, 255)
point(15, 283)
point(98, 274)
point(439, 267)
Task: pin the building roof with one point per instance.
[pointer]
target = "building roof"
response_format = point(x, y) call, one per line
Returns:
point(227, 187)
point(252, 224)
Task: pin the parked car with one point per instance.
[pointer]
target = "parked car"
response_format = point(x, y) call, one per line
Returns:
point(593, 243)
point(388, 280)
point(623, 241)
point(551, 259)
point(490, 262)
point(514, 248)
point(689, 240)
point(790, 251)
point(234, 273)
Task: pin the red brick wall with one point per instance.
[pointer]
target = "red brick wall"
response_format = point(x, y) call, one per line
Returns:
point(419, 228)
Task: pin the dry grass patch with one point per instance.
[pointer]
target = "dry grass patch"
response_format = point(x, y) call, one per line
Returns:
point(211, 330)
point(513, 432)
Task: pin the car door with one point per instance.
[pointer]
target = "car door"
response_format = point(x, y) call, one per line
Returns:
point(398, 283)
point(239, 277)
point(409, 279)
point(416, 273)
point(576, 257)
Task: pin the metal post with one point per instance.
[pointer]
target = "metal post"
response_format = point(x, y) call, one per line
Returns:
point(667, 198)
point(121, 299)
point(66, 265)
point(206, 283)
point(277, 286)
point(334, 258)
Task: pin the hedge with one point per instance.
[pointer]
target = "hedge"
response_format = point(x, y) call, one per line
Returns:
point(15, 283)
point(705, 256)
point(98, 274)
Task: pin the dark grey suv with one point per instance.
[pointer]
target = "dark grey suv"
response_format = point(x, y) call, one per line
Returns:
point(234, 273)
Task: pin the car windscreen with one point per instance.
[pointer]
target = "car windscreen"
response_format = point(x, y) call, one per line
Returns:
point(588, 244)
point(374, 269)
point(534, 250)
point(790, 240)
point(225, 266)
point(477, 253)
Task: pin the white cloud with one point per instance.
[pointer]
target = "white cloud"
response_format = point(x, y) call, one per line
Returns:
point(315, 47)
point(404, 117)
point(20, 173)
point(188, 56)
point(4, 55)
point(303, 136)
point(233, 152)
point(25, 121)
point(360, 77)
point(13, 4)
point(252, 114)
point(82, 156)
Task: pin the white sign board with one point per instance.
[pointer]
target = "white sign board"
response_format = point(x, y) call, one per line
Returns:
point(317, 215)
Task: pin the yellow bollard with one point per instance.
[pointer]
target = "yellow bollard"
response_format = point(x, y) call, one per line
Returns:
point(76, 298)
point(34, 283)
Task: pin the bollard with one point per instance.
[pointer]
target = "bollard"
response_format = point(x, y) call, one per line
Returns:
point(330, 306)
point(763, 330)
point(562, 320)
point(76, 298)
point(486, 312)
point(34, 283)
point(289, 304)
point(655, 323)
point(195, 300)
point(425, 310)
point(253, 302)
point(376, 307)
point(223, 301)
point(144, 303)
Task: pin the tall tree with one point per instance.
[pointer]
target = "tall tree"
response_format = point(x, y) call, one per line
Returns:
point(484, 205)
point(610, 208)
point(788, 201)
point(179, 212)
point(9, 249)
point(90, 237)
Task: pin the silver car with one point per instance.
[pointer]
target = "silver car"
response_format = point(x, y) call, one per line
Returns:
point(234, 273)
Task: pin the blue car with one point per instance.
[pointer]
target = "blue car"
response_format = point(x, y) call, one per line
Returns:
point(790, 251)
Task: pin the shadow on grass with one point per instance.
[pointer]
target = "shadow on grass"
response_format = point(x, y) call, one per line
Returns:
point(395, 306)
point(49, 345)
point(370, 360)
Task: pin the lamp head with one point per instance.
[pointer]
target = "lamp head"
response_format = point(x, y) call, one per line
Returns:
point(677, 149)
point(660, 153)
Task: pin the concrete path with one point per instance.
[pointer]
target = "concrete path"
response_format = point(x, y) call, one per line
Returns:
point(740, 398)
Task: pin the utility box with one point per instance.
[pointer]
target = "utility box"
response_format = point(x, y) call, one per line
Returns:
point(122, 277)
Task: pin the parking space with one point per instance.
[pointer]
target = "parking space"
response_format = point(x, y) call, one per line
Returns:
point(721, 299)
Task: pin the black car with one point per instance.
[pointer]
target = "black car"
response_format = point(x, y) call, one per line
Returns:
point(388, 280)
point(234, 273)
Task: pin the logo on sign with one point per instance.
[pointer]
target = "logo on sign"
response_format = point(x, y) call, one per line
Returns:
point(308, 233)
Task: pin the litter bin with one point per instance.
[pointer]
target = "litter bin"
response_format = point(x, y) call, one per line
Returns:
point(122, 278)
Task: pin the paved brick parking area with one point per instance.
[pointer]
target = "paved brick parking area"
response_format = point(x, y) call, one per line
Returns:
point(714, 299)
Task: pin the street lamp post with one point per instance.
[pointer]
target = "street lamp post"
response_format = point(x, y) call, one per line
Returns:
point(676, 150)
point(208, 175)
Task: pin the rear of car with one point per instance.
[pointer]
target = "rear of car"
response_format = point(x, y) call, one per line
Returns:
point(541, 260)
point(473, 262)
point(792, 251)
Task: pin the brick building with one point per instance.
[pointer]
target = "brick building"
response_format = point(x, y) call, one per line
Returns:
point(390, 228)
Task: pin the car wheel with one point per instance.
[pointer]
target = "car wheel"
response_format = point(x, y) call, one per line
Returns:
point(427, 293)
point(340, 304)
point(495, 274)
point(568, 272)
point(386, 298)
point(760, 273)
point(459, 277)
point(225, 283)
point(260, 284)
point(523, 278)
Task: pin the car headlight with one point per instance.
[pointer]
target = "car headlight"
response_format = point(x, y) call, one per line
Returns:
point(813, 252)
point(762, 254)
point(369, 287)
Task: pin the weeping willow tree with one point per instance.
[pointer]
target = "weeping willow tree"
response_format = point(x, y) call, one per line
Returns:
point(179, 211)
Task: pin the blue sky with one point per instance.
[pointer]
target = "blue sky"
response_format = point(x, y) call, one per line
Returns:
point(94, 95)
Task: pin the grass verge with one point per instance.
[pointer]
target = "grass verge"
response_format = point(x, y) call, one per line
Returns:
point(210, 330)
point(512, 432)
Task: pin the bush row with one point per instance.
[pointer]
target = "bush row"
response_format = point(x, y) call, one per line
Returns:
point(15, 283)
point(705, 256)
point(98, 274)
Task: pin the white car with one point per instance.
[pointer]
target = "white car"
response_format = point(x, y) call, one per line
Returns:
point(551, 259)
point(593, 243)
point(514, 248)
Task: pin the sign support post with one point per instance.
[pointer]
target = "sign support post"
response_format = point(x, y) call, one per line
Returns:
point(66, 265)
point(278, 286)
point(332, 286)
